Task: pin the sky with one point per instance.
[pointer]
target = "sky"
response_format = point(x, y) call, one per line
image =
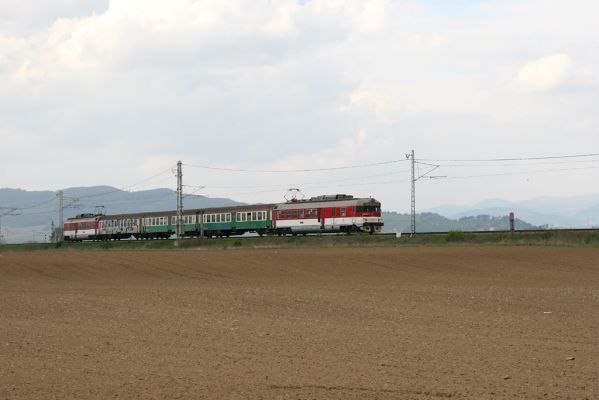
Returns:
point(96, 92)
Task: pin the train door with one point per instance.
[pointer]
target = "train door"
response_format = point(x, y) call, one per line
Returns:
point(321, 217)
point(334, 218)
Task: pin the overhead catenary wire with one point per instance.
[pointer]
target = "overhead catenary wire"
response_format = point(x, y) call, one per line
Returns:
point(228, 169)
point(522, 172)
point(511, 159)
point(300, 184)
point(308, 187)
point(123, 189)
point(517, 164)
point(51, 200)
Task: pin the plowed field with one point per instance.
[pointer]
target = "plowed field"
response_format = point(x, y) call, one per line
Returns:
point(372, 323)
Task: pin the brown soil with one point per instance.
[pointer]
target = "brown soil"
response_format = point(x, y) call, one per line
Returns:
point(407, 323)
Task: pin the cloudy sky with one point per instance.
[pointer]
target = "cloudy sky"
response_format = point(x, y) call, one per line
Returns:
point(114, 92)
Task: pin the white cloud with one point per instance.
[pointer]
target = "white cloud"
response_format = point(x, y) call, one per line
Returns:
point(289, 84)
point(545, 73)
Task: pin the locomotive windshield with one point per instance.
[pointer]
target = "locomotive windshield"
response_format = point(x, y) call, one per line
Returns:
point(368, 209)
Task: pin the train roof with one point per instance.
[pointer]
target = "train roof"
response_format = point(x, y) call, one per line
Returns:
point(191, 211)
point(320, 202)
point(337, 200)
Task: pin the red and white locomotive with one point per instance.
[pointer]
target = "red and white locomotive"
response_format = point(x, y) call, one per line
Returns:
point(82, 227)
point(329, 213)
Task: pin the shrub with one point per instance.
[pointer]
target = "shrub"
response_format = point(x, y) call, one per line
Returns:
point(455, 236)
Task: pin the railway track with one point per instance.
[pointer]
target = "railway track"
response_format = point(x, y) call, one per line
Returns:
point(439, 233)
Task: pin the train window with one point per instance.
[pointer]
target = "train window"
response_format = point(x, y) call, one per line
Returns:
point(259, 215)
point(253, 215)
point(294, 214)
point(343, 212)
point(301, 214)
point(229, 217)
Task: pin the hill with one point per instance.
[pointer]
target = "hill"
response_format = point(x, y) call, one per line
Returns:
point(431, 222)
point(566, 212)
point(40, 208)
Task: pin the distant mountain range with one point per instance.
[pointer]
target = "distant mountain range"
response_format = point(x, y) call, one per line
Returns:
point(555, 212)
point(39, 208)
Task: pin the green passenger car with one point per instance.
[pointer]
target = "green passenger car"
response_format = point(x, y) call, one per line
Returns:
point(226, 221)
point(222, 221)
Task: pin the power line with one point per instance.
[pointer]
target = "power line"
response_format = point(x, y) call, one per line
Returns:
point(294, 170)
point(126, 187)
point(521, 172)
point(287, 185)
point(491, 165)
point(511, 159)
point(308, 187)
point(36, 205)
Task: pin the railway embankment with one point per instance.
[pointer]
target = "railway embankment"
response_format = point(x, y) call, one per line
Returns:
point(583, 238)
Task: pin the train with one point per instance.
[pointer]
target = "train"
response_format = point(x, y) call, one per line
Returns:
point(338, 213)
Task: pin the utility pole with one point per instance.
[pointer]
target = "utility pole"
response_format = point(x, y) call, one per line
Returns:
point(413, 162)
point(61, 206)
point(179, 202)
point(60, 236)
point(413, 197)
point(9, 211)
